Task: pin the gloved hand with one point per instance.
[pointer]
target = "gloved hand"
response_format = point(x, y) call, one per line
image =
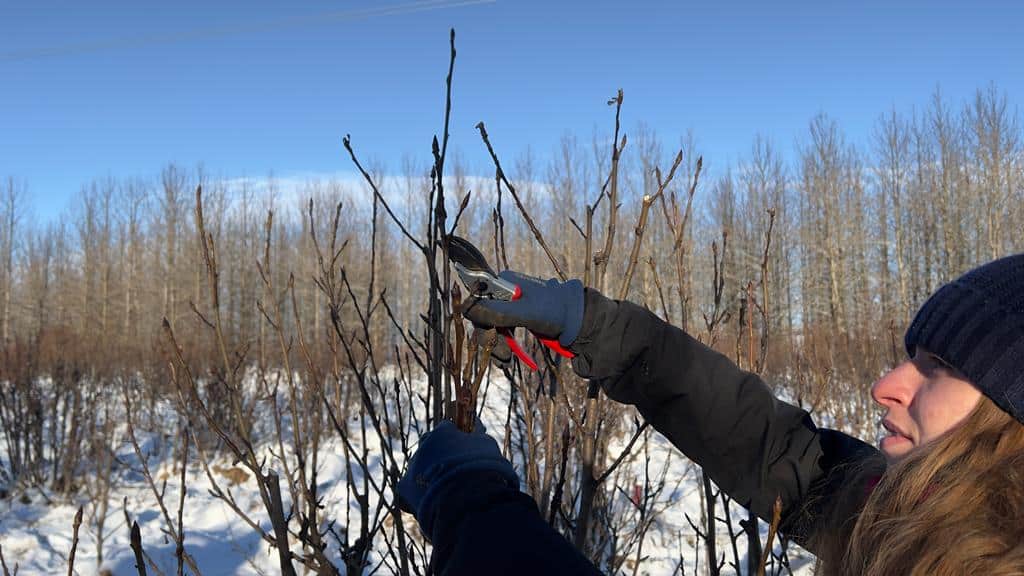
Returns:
point(443, 455)
point(551, 309)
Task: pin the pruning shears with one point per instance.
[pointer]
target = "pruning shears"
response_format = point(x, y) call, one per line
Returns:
point(482, 282)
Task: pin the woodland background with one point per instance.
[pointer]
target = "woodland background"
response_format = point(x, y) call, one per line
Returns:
point(250, 347)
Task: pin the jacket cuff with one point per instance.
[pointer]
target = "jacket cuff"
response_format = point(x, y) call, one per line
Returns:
point(440, 487)
point(592, 317)
point(473, 490)
point(574, 312)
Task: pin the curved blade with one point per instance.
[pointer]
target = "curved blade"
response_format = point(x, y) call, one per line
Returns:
point(464, 253)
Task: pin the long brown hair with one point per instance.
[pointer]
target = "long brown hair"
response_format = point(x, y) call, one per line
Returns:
point(955, 506)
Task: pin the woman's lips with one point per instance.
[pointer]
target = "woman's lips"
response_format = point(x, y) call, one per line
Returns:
point(894, 429)
point(895, 437)
point(891, 443)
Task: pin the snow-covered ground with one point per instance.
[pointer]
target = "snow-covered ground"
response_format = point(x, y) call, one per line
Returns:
point(36, 528)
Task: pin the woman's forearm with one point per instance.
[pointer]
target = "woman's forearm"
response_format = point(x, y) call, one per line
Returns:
point(754, 446)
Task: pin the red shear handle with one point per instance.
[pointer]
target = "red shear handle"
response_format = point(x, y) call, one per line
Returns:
point(516, 349)
point(557, 347)
point(525, 358)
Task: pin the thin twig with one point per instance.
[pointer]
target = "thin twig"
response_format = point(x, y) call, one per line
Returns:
point(591, 428)
point(556, 496)
point(136, 544)
point(641, 225)
point(657, 284)
point(462, 208)
point(179, 548)
point(678, 225)
point(772, 529)
point(74, 541)
point(519, 204)
point(224, 496)
point(3, 563)
point(280, 524)
point(347, 142)
point(440, 313)
point(455, 362)
point(625, 452)
point(602, 258)
point(763, 307)
point(157, 493)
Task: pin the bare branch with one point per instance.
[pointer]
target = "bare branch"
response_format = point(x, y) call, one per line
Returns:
point(136, 544)
point(179, 548)
point(3, 563)
point(74, 541)
point(772, 530)
point(347, 142)
point(642, 225)
point(519, 204)
point(625, 452)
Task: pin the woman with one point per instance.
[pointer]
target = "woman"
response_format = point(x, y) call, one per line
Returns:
point(943, 494)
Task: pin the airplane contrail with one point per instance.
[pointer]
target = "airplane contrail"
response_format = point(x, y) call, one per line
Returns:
point(215, 32)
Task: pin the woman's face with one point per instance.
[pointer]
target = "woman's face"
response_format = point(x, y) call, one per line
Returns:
point(924, 398)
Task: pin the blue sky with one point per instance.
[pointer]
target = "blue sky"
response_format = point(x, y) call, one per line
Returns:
point(94, 88)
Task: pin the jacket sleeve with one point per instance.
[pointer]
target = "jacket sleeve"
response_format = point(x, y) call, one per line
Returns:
point(754, 446)
point(484, 527)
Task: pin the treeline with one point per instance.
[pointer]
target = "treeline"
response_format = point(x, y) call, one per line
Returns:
point(802, 265)
point(860, 235)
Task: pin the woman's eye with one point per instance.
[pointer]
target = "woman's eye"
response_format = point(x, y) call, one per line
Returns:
point(938, 362)
point(929, 362)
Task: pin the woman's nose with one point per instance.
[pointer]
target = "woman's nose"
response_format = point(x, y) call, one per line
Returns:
point(897, 386)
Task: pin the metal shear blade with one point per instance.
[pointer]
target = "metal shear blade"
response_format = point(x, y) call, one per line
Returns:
point(476, 274)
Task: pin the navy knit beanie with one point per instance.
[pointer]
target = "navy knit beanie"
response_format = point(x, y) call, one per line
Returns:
point(976, 324)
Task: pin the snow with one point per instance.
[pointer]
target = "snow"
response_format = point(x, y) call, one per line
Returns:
point(37, 536)
point(35, 526)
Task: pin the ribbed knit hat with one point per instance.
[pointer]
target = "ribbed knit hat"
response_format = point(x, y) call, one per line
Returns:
point(976, 324)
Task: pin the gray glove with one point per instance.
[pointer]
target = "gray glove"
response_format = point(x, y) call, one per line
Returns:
point(551, 309)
